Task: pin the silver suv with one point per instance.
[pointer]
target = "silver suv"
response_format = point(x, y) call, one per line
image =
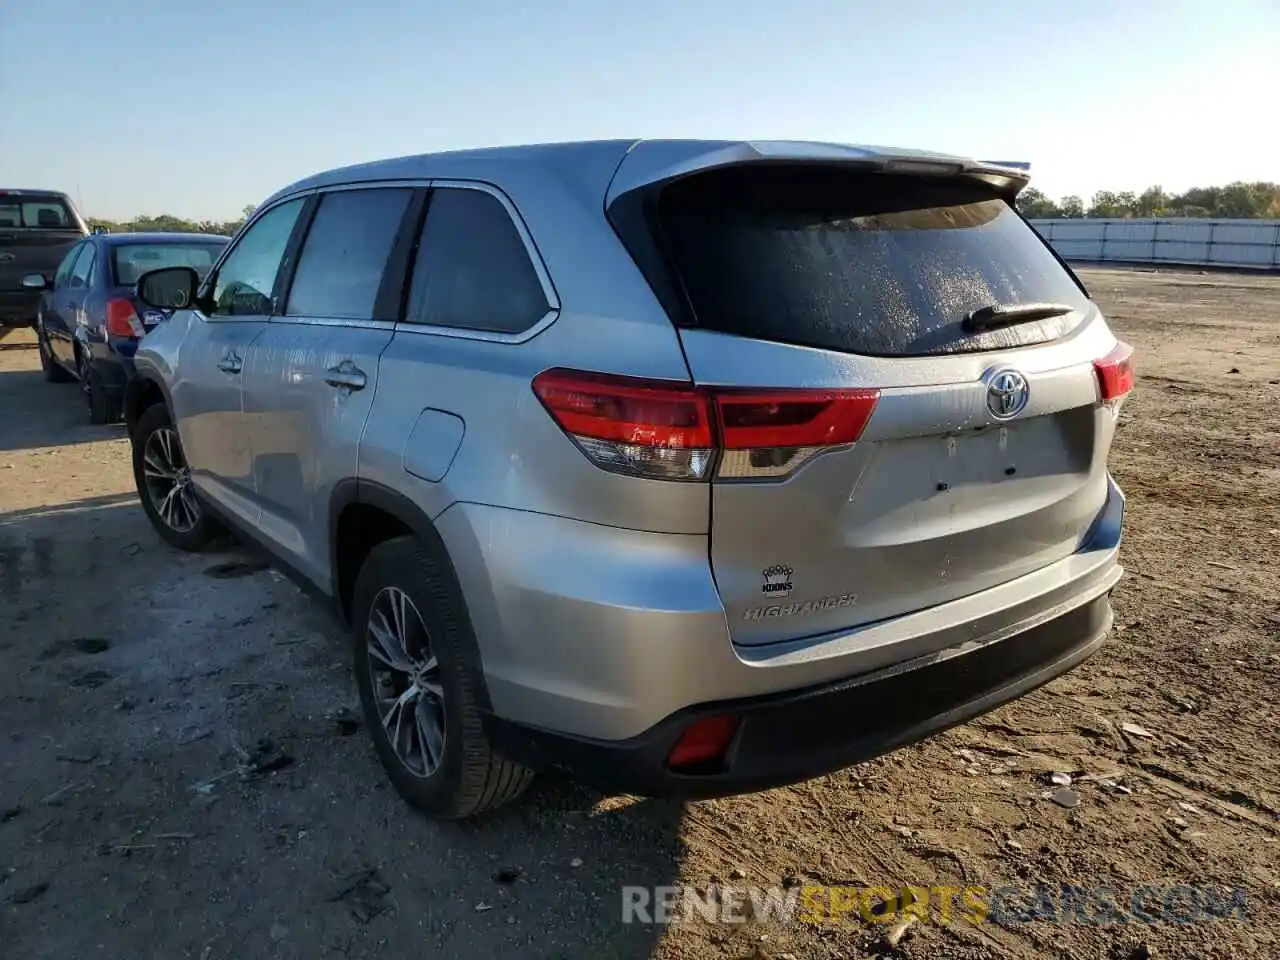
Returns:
point(691, 468)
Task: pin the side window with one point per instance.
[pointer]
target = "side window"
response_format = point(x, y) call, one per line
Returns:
point(473, 270)
point(243, 284)
point(345, 253)
point(83, 269)
point(64, 268)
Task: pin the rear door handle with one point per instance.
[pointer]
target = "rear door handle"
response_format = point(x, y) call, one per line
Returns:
point(346, 375)
point(230, 363)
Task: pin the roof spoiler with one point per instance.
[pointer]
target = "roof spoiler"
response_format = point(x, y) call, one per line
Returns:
point(651, 162)
point(1021, 165)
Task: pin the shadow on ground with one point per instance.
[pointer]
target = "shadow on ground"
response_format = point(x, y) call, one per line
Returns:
point(183, 775)
point(36, 414)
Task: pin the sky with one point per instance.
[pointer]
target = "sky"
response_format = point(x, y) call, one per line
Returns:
point(201, 107)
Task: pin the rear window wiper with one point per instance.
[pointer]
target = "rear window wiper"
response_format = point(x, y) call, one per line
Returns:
point(999, 315)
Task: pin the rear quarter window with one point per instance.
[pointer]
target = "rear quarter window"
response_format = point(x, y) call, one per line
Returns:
point(857, 261)
point(473, 270)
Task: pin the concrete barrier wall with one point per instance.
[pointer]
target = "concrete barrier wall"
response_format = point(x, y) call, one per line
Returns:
point(1225, 243)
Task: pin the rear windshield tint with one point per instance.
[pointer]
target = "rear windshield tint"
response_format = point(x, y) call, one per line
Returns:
point(857, 261)
point(39, 213)
point(129, 261)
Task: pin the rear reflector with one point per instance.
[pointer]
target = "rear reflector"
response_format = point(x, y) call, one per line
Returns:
point(675, 431)
point(706, 741)
point(122, 319)
point(1115, 372)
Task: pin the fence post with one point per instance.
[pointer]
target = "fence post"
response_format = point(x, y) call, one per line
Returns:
point(1102, 246)
point(1208, 248)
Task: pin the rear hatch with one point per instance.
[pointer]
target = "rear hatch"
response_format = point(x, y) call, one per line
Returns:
point(36, 231)
point(983, 454)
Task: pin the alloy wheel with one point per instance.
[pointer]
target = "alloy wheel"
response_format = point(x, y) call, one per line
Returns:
point(168, 480)
point(406, 681)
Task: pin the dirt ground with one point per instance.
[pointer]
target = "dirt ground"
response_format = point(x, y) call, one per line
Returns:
point(181, 776)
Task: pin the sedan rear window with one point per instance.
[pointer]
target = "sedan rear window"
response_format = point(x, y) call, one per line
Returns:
point(129, 261)
point(858, 261)
point(40, 213)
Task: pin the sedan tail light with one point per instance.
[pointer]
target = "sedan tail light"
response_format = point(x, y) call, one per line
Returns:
point(674, 431)
point(122, 319)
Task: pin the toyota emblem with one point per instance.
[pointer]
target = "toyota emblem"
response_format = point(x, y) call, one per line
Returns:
point(1007, 394)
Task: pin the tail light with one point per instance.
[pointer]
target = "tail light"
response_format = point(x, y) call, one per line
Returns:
point(122, 319)
point(640, 427)
point(673, 431)
point(773, 433)
point(1115, 373)
point(704, 742)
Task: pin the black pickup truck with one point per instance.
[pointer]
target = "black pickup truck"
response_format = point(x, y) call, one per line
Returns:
point(37, 228)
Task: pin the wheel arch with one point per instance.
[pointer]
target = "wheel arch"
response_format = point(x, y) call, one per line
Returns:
point(363, 514)
point(78, 350)
point(142, 393)
point(83, 339)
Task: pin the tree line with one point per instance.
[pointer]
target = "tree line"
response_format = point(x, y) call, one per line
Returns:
point(167, 223)
point(1242, 200)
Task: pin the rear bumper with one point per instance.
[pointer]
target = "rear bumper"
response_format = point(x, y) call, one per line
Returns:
point(604, 634)
point(785, 738)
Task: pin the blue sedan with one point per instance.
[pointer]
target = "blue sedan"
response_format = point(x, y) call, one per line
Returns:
point(90, 320)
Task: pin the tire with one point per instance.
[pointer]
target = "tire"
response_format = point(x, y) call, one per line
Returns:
point(54, 372)
point(197, 528)
point(469, 776)
point(103, 408)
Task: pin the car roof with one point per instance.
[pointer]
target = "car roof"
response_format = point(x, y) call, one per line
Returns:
point(591, 165)
point(33, 192)
point(563, 156)
point(116, 239)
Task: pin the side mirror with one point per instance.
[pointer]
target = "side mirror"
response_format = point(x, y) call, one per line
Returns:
point(34, 281)
point(169, 288)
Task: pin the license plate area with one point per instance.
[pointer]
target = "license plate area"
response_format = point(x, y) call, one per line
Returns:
point(1051, 445)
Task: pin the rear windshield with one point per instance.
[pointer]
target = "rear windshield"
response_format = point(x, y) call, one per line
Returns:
point(858, 261)
point(129, 261)
point(40, 213)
